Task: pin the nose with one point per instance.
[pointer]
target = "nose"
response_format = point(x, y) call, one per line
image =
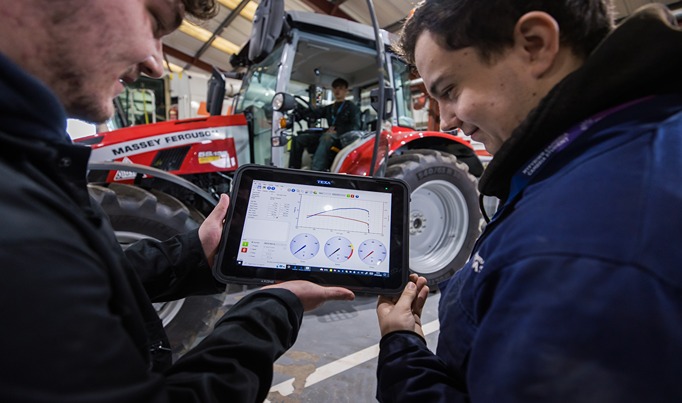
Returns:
point(449, 121)
point(152, 65)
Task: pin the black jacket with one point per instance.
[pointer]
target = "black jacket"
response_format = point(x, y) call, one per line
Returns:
point(345, 117)
point(78, 324)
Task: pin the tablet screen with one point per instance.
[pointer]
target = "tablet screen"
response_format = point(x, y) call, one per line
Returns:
point(328, 228)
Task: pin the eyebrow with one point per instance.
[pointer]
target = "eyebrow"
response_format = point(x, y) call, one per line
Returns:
point(168, 25)
point(433, 88)
point(178, 21)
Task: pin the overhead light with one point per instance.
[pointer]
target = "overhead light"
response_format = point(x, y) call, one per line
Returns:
point(204, 35)
point(248, 12)
point(172, 67)
point(226, 46)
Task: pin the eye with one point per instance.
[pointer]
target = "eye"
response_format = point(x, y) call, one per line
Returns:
point(450, 93)
point(159, 21)
point(155, 23)
point(443, 94)
point(157, 26)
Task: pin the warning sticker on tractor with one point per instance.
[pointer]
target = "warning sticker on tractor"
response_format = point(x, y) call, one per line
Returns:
point(206, 157)
point(220, 159)
point(125, 175)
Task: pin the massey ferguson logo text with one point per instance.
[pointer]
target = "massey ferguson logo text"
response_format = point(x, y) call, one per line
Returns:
point(128, 148)
point(176, 138)
point(136, 146)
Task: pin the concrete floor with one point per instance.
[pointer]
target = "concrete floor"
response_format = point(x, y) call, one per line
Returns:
point(334, 358)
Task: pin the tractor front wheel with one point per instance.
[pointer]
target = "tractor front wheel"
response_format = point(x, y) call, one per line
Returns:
point(136, 214)
point(445, 218)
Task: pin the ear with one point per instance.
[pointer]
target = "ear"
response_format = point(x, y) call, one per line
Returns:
point(536, 36)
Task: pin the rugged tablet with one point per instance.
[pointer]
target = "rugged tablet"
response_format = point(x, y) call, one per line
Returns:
point(331, 229)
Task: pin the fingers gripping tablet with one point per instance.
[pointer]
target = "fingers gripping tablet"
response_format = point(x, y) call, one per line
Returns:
point(331, 229)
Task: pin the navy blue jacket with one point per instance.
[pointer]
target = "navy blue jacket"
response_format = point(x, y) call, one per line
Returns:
point(574, 290)
point(77, 320)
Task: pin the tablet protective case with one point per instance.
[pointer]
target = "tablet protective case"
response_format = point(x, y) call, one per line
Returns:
point(332, 229)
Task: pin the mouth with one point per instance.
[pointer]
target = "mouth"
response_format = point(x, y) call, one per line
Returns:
point(124, 81)
point(127, 79)
point(129, 76)
point(472, 133)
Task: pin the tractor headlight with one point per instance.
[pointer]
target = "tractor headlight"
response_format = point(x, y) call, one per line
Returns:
point(278, 102)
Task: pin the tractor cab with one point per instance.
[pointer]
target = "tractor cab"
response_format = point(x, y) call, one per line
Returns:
point(313, 50)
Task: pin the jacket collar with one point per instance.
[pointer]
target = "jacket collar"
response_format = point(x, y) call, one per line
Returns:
point(596, 86)
point(28, 108)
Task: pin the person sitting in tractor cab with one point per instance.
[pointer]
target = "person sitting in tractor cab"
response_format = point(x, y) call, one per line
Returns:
point(342, 116)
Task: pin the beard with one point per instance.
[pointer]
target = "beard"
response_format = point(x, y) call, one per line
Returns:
point(89, 109)
point(75, 79)
point(79, 101)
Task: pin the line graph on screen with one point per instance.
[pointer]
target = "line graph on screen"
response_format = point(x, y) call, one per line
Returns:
point(341, 214)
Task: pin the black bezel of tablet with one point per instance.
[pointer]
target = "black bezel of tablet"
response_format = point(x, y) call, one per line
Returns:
point(353, 273)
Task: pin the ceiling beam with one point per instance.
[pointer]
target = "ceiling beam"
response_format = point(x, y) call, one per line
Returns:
point(187, 58)
point(329, 8)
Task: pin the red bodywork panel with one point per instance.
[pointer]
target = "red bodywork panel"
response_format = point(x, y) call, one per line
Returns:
point(209, 144)
point(359, 160)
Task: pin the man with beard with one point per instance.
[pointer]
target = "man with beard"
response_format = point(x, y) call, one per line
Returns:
point(78, 322)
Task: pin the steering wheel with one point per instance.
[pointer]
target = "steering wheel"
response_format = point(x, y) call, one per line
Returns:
point(301, 109)
point(302, 101)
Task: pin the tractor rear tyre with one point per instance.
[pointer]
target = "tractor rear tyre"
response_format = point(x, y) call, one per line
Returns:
point(445, 218)
point(136, 214)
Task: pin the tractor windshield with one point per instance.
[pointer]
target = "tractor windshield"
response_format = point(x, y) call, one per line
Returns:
point(305, 67)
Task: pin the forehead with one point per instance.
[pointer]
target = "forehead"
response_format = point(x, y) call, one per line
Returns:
point(438, 65)
point(432, 60)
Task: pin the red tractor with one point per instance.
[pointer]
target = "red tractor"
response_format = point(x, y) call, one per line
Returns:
point(155, 180)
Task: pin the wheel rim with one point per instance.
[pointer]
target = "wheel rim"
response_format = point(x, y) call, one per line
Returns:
point(166, 310)
point(439, 220)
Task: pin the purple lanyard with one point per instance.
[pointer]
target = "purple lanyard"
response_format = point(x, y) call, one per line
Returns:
point(524, 175)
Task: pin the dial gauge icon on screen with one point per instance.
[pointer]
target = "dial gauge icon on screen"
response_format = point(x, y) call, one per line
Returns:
point(338, 249)
point(304, 246)
point(372, 252)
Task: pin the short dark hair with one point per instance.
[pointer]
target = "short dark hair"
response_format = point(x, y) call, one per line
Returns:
point(339, 82)
point(488, 25)
point(201, 9)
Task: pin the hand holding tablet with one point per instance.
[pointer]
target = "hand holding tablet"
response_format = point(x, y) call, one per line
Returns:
point(331, 229)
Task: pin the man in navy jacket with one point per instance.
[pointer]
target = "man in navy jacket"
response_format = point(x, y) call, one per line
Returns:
point(78, 324)
point(573, 293)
